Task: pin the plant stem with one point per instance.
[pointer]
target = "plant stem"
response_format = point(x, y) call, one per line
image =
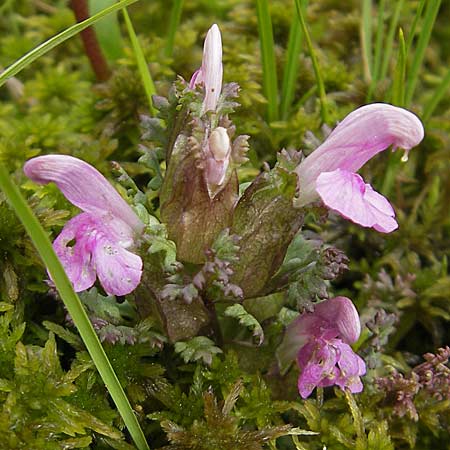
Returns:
point(73, 305)
point(90, 42)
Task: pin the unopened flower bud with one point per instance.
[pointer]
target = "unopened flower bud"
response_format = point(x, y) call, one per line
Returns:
point(219, 143)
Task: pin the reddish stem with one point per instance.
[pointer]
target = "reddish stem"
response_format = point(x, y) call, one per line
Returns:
point(90, 42)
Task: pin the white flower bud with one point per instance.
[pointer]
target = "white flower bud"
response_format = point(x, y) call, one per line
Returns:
point(219, 144)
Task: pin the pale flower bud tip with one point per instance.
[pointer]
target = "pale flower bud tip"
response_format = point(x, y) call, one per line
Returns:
point(219, 143)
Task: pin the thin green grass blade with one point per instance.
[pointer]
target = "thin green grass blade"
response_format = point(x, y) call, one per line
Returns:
point(431, 12)
point(378, 48)
point(144, 71)
point(107, 30)
point(270, 82)
point(398, 84)
point(412, 31)
point(366, 38)
point(175, 17)
point(315, 63)
point(73, 305)
point(290, 73)
point(397, 98)
point(437, 96)
point(390, 39)
point(51, 43)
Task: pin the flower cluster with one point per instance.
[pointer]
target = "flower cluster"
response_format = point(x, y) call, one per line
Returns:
point(199, 198)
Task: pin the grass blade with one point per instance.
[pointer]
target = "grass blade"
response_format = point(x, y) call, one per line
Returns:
point(412, 31)
point(73, 305)
point(378, 47)
point(390, 39)
point(290, 73)
point(175, 16)
point(437, 96)
point(312, 54)
point(397, 96)
point(366, 38)
point(107, 30)
point(428, 23)
point(398, 84)
point(270, 83)
point(144, 71)
point(53, 42)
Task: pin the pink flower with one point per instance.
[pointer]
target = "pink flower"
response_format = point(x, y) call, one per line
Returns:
point(94, 243)
point(211, 71)
point(320, 342)
point(217, 146)
point(329, 172)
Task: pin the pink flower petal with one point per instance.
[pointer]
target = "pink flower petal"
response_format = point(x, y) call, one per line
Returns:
point(315, 366)
point(212, 68)
point(334, 318)
point(197, 78)
point(211, 71)
point(346, 193)
point(341, 314)
point(348, 361)
point(360, 136)
point(88, 247)
point(84, 186)
point(309, 379)
point(72, 246)
point(118, 270)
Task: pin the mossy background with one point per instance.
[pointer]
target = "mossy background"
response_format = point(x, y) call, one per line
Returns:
point(200, 396)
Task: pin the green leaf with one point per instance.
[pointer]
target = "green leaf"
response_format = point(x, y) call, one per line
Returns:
point(197, 348)
point(266, 221)
point(238, 312)
point(107, 30)
point(262, 308)
point(71, 338)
